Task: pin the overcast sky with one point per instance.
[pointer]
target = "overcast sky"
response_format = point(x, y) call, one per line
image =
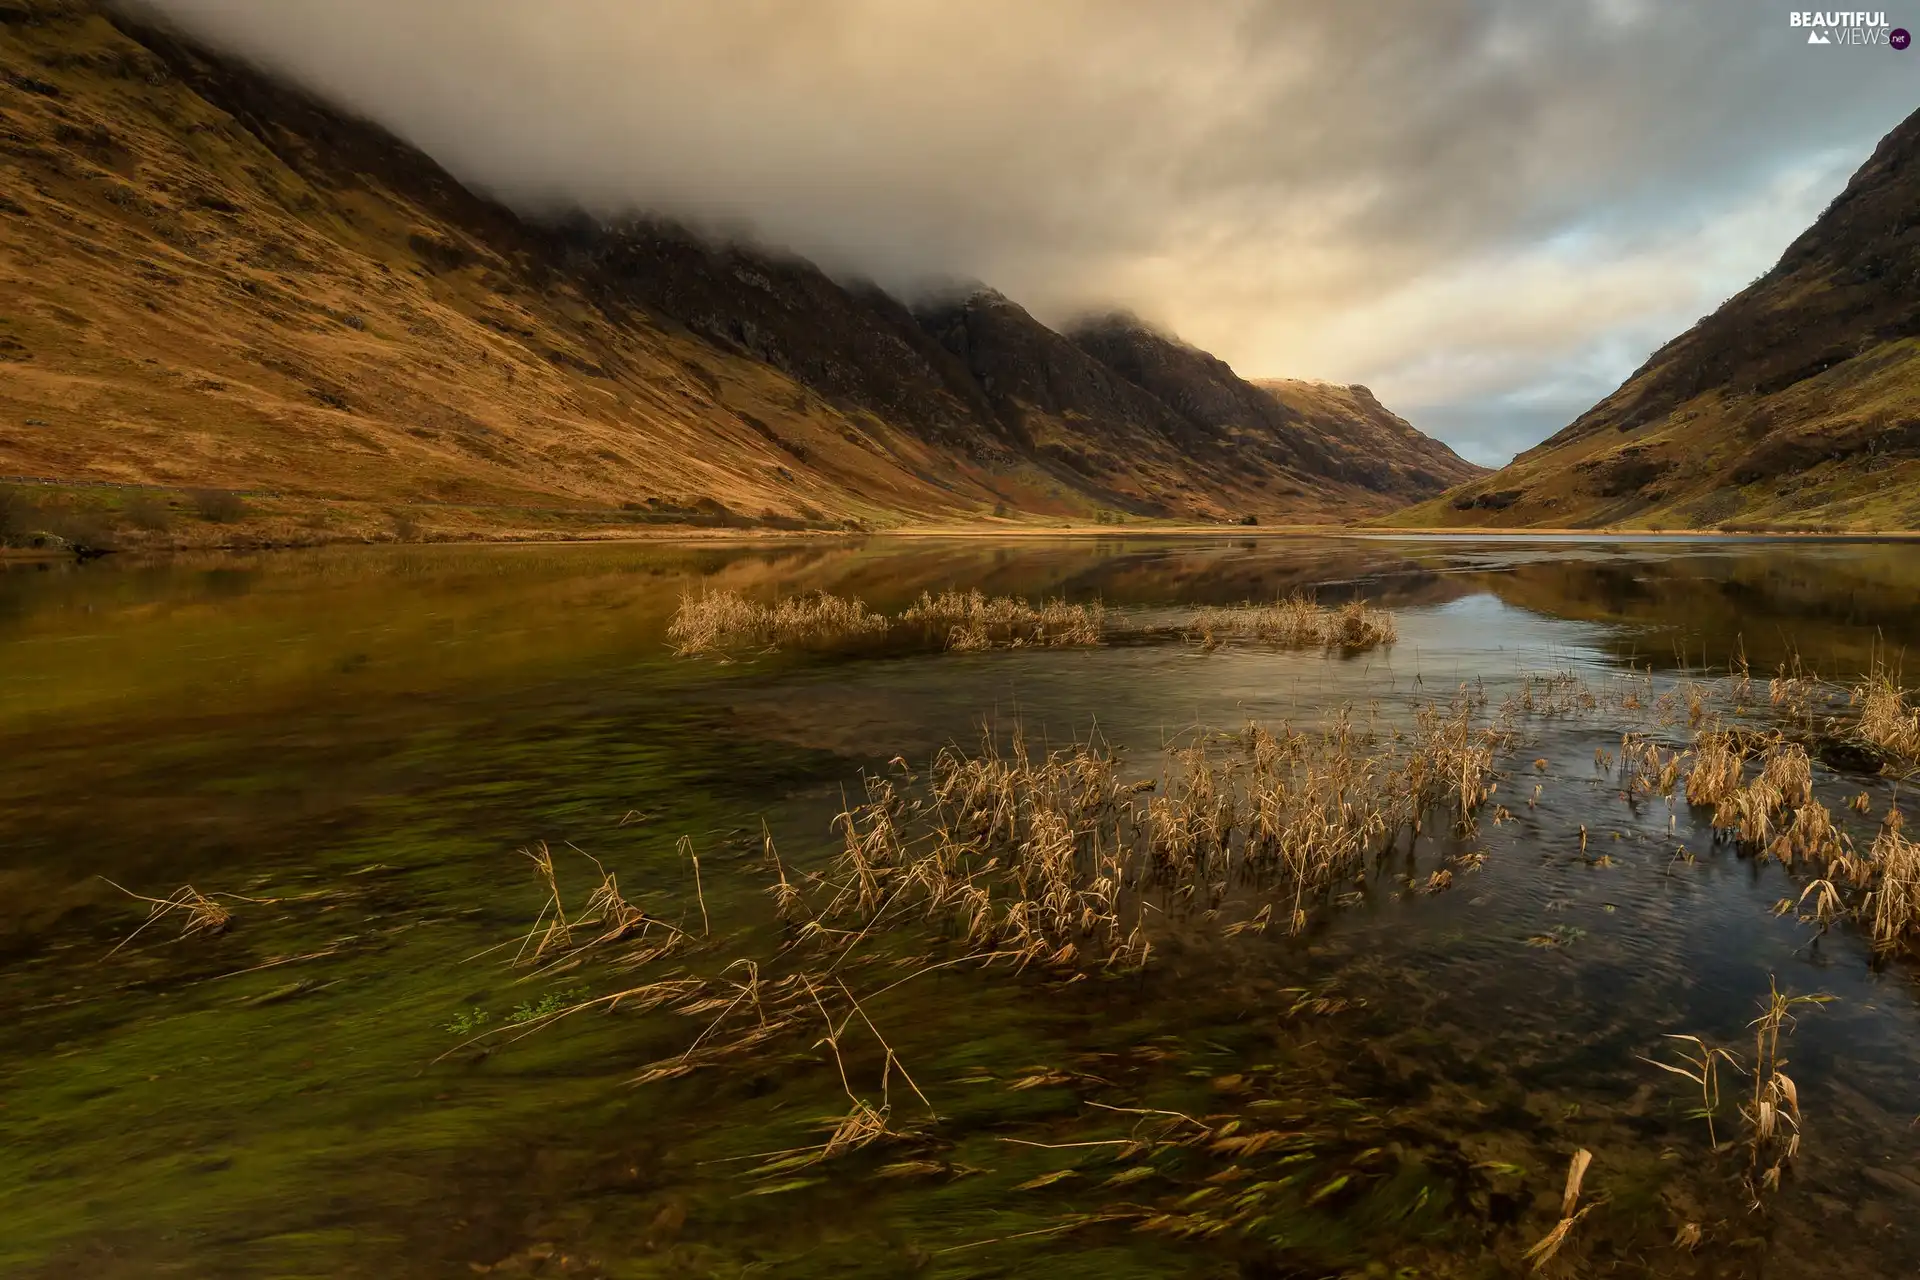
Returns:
point(1490, 211)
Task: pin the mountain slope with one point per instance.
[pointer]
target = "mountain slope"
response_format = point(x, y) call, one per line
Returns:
point(213, 281)
point(1796, 404)
point(1303, 428)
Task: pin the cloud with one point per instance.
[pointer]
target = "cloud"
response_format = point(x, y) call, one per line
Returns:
point(1488, 208)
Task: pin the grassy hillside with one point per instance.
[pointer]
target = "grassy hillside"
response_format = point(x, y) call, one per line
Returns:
point(229, 307)
point(1796, 405)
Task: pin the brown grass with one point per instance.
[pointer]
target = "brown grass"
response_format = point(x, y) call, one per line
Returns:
point(1717, 761)
point(1649, 769)
point(1772, 811)
point(1772, 1112)
point(1544, 1250)
point(973, 620)
point(605, 919)
point(1887, 720)
point(1052, 857)
point(201, 913)
point(1297, 622)
point(725, 622)
point(1893, 905)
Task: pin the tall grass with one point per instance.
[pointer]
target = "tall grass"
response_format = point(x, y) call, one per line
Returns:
point(1772, 1111)
point(1887, 720)
point(722, 622)
point(1297, 622)
point(1893, 904)
point(1050, 857)
point(1771, 810)
point(1301, 805)
point(726, 622)
point(1770, 1114)
point(966, 620)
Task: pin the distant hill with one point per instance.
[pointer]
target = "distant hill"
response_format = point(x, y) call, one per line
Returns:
point(1311, 429)
point(216, 282)
point(1795, 405)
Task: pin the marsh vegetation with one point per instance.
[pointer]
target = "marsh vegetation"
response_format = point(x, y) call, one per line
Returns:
point(1227, 949)
point(1298, 622)
point(1053, 865)
point(723, 623)
point(727, 623)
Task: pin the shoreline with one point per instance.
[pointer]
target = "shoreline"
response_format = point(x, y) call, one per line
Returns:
point(615, 535)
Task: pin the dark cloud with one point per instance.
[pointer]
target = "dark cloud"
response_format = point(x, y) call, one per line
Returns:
point(1472, 207)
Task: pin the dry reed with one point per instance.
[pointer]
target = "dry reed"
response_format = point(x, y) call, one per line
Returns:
point(606, 918)
point(203, 914)
point(969, 620)
point(1649, 769)
point(1886, 720)
point(1549, 1245)
point(723, 622)
point(1893, 905)
point(1772, 1112)
point(1297, 622)
point(1051, 857)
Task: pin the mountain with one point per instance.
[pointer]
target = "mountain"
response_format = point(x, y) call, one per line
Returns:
point(1795, 405)
point(230, 304)
point(1304, 428)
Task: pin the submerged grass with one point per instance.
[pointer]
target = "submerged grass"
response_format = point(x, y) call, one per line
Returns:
point(200, 913)
point(1570, 1214)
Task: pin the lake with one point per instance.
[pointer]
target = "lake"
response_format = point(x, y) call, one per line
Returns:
point(368, 1072)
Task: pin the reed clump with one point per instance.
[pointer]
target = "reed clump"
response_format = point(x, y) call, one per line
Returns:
point(1297, 622)
point(1775, 812)
point(1718, 761)
point(723, 622)
point(1052, 856)
point(1772, 811)
point(1887, 721)
point(1893, 905)
point(1648, 768)
point(971, 620)
point(1551, 694)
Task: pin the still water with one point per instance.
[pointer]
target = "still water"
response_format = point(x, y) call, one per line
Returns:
point(355, 745)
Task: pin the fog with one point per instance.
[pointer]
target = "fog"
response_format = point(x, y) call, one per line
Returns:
point(1489, 212)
